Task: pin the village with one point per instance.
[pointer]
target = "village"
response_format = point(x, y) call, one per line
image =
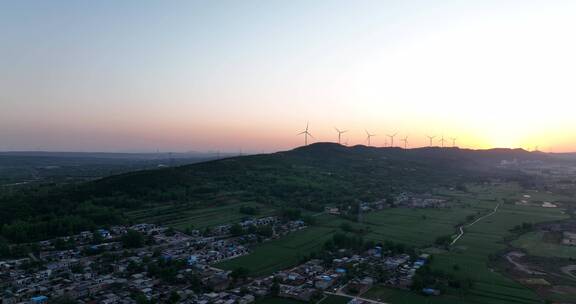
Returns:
point(144, 262)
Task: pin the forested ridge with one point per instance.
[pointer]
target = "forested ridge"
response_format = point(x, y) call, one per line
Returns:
point(307, 177)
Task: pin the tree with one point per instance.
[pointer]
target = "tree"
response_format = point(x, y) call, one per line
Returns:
point(170, 232)
point(248, 210)
point(132, 239)
point(174, 297)
point(63, 300)
point(4, 249)
point(239, 273)
point(290, 213)
point(97, 238)
point(443, 240)
point(265, 231)
point(60, 244)
point(275, 288)
point(236, 230)
point(140, 298)
point(346, 227)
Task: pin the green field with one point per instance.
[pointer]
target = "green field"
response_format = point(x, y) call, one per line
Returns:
point(399, 225)
point(420, 227)
point(182, 217)
point(415, 227)
point(472, 252)
point(534, 244)
point(335, 300)
point(390, 295)
point(281, 253)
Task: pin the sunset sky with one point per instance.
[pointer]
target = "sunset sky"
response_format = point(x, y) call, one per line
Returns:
point(230, 75)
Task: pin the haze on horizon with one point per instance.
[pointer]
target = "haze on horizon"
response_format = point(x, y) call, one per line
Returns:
point(230, 75)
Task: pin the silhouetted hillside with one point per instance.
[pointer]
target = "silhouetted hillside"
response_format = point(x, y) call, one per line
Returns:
point(307, 177)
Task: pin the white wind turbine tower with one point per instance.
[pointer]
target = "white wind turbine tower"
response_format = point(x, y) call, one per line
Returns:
point(453, 142)
point(442, 140)
point(306, 134)
point(392, 139)
point(405, 140)
point(340, 133)
point(368, 136)
point(431, 138)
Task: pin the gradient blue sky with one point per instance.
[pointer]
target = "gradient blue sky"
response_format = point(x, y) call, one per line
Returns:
point(229, 75)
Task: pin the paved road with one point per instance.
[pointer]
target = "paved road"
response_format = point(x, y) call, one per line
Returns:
point(461, 228)
point(570, 270)
point(353, 297)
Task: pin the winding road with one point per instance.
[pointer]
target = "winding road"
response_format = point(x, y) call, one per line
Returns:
point(461, 228)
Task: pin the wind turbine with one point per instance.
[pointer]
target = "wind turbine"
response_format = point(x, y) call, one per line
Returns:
point(368, 136)
point(306, 134)
point(405, 140)
point(453, 142)
point(431, 138)
point(442, 140)
point(340, 133)
point(392, 139)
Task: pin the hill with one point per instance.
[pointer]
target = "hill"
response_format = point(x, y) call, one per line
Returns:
point(307, 177)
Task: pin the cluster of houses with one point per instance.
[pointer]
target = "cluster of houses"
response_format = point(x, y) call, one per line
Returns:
point(245, 224)
point(569, 238)
point(402, 200)
point(409, 200)
point(85, 272)
point(313, 278)
point(106, 272)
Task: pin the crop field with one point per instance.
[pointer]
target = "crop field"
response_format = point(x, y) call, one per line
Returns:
point(472, 251)
point(535, 244)
point(399, 225)
point(420, 227)
point(415, 227)
point(182, 217)
point(281, 253)
point(389, 295)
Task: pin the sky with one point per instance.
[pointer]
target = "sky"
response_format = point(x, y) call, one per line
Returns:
point(249, 75)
